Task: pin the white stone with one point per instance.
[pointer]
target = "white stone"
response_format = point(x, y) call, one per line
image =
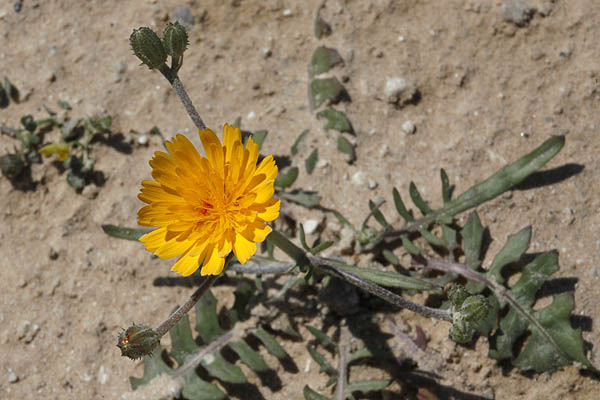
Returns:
point(409, 127)
point(310, 226)
point(359, 178)
point(399, 90)
point(372, 184)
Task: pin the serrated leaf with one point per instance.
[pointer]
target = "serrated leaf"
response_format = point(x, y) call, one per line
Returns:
point(323, 59)
point(446, 188)
point(401, 207)
point(195, 388)
point(259, 137)
point(325, 340)
point(378, 215)
point(249, 357)
point(207, 321)
point(515, 247)
point(222, 369)
point(328, 90)
point(271, 344)
point(295, 147)
point(310, 394)
point(538, 354)
point(153, 366)
point(182, 340)
point(286, 180)
point(124, 233)
point(311, 161)
point(336, 120)
point(368, 386)
point(344, 146)
point(418, 200)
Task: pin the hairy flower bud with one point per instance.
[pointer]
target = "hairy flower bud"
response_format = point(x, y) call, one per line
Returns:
point(457, 294)
point(137, 341)
point(461, 330)
point(475, 308)
point(148, 47)
point(175, 39)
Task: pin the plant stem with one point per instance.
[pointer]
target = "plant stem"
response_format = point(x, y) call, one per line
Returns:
point(215, 345)
point(173, 79)
point(187, 306)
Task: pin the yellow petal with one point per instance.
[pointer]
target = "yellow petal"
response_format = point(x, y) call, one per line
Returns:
point(271, 211)
point(186, 265)
point(231, 136)
point(153, 240)
point(214, 150)
point(213, 265)
point(257, 231)
point(243, 248)
point(173, 248)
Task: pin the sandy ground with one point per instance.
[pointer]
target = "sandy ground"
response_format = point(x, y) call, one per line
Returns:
point(493, 81)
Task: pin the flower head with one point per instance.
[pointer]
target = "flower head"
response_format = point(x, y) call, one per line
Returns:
point(206, 207)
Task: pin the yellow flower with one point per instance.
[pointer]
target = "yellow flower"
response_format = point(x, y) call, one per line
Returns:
point(61, 151)
point(206, 207)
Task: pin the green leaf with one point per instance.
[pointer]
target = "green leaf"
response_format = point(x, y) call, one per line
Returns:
point(449, 235)
point(310, 394)
point(249, 357)
point(344, 146)
point(153, 366)
point(29, 123)
point(182, 341)
point(387, 278)
point(311, 161)
point(390, 257)
point(271, 344)
point(325, 340)
point(328, 90)
point(410, 246)
point(259, 137)
point(369, 386)
point(320, 247)
point(195, 388)
point(64, 105)
point(295, 147)
point(222, 369)
point(306, 199)
point(446, 189)
point(418, 200)
point(11, 90)
point(323, 364)
point(323, 59)
point(378, 215)
point(537, 355)
point(401, 208)
point(336, 120)
point(286, 180)
point(431, 238)
point(512, 251)
point(207, 321)
point(472, 234)
point(124, 233)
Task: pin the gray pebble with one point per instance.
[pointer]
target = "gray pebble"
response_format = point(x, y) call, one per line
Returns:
point(399, 90)
point(13, 378)
point(311, 226)
point(184, 16)
point(359, 178)
point(409, 127)
point(372, 184)
point(518, 12)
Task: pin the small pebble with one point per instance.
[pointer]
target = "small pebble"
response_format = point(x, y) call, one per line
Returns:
point(287, 12)
point(322, 163)
point(372, 184)
point(184, 16)
point(399, 90)
point(409, 127)
point(359, 178)
point(384, 151)
point(310, 226)
point(142, 140)
point(251, 115)
point(53, 254)
point(13, 378)
point(518, 12)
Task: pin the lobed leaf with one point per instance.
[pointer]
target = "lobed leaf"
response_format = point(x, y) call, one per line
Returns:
point(336, 120)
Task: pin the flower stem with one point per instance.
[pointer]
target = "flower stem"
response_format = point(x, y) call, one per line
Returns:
point(187, 306)
point(303, 258)
point(175, 82)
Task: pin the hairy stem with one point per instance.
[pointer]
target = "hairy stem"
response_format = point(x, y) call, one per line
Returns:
point(215, 345)
point(175, 82)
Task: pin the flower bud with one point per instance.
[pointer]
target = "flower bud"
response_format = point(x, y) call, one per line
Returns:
point(461, 330)
point(148, 47)
point(137, 341)
point(475, 308)
point(175, 39)
point(457, 294)
point(11, 165)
